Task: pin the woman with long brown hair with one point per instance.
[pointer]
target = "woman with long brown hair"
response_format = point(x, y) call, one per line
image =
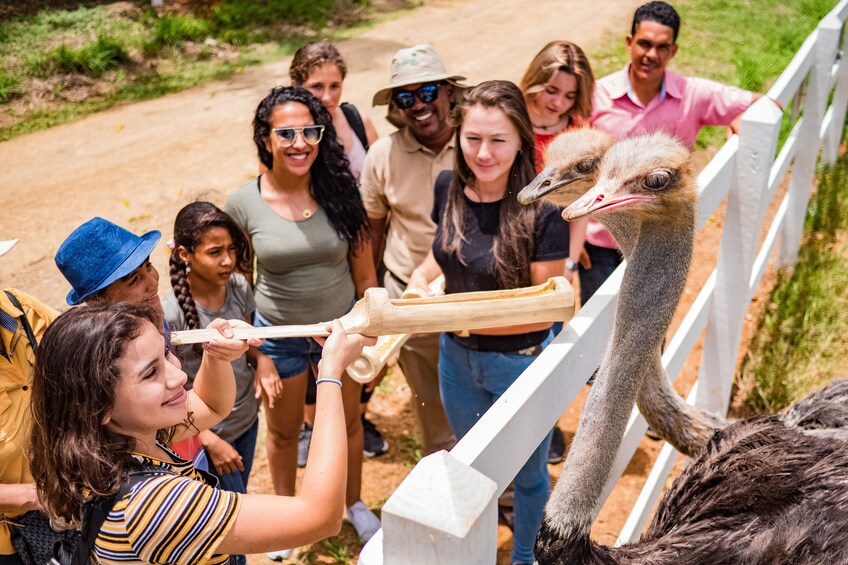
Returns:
point(557, 87)
point(486, 240)
point(108, 398)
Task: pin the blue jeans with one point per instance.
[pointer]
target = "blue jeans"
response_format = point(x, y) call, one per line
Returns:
point(291, 355)
point(604, 262)
point(245, 444)
point(469, 383)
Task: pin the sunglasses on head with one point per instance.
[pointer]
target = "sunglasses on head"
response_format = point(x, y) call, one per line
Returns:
point(287, 136)
point(404, 99)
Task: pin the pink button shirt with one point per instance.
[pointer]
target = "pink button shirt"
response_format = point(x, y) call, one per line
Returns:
point(685, 105)
point(689, 104)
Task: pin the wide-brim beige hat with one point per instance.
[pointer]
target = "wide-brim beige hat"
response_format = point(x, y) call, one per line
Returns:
point(412, 66)
point(7, 245)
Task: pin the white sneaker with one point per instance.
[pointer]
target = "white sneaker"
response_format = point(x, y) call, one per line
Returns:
point(279, 555)
point(364, 521)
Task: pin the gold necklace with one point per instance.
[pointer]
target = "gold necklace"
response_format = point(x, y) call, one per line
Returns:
point(306, 213)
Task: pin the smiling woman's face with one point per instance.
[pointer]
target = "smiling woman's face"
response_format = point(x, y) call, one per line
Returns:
point(150, 395)
point(296, 159)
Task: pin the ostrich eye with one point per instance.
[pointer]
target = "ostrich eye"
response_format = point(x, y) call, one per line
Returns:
point(657, 180)
point(587, 166)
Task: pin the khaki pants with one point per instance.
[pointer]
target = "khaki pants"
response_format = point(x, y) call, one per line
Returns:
point(419, 359)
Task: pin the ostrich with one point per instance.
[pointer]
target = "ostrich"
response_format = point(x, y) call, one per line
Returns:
point(573, 158)
point(763, 490)
point(573, 164)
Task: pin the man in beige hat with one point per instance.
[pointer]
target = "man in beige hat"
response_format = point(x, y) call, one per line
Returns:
point(399, 176)
point(17, 354)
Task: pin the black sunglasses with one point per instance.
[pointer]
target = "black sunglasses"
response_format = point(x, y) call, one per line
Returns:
point(311, 135)
point(404, 99)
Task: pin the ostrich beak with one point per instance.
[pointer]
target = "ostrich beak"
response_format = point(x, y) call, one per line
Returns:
point(601, 199)
point(544, 185)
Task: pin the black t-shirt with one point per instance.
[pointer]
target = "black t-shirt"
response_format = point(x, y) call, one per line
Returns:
point(478, 272)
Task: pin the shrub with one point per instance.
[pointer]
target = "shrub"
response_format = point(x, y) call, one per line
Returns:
point(173, 30)
point(92, 59)
point(8, 87)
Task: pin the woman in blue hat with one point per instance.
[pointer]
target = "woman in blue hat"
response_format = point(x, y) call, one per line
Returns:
point(103, 261)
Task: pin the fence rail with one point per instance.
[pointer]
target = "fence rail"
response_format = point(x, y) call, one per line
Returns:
point(445, 511)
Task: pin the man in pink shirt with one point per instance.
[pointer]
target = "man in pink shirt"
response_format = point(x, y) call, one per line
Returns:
point(643, 98)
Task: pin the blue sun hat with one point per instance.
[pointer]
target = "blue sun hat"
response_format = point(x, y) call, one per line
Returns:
point(98, 253)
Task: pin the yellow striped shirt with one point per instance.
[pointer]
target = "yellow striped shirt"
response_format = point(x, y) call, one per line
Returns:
point(169, 518)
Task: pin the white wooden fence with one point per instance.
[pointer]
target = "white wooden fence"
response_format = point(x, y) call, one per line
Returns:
point(446, 510)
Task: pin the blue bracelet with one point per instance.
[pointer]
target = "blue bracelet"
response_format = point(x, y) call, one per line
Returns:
point(327, 380)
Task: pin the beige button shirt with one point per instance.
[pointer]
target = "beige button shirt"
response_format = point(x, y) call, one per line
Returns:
point(399, 175)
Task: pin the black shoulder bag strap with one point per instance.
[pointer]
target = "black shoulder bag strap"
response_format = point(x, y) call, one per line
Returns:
point(356, 123)
point(24, 321)
point(94, 515)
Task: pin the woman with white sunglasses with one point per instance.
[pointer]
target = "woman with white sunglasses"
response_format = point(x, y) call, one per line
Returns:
point(310, 236)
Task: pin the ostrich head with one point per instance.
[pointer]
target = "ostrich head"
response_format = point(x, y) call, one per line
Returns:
point(573, 158)
point(647, 177)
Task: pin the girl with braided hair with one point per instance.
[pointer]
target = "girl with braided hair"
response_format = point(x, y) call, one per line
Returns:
point(210, 255)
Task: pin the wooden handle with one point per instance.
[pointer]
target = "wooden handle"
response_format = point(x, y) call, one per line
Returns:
point(374, 357)
point(201, 336)
point(377, 315)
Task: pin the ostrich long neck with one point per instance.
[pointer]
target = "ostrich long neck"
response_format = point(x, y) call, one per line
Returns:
point(685, 427)
point(658, 256)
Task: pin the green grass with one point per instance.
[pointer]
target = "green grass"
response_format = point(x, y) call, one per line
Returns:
point(800, 340)
point(8, 87)
point(175, 30)
point(338, 552)
point(142, 54)
point(92, 59)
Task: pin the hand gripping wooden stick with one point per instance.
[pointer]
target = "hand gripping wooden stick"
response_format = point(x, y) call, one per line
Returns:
point(374, 357)
point(376, 314)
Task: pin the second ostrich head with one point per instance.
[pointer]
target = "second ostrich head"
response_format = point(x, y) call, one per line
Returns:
point(648, 178)
point(573, 158)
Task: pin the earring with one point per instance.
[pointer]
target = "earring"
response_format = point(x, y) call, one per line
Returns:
point(187, 268)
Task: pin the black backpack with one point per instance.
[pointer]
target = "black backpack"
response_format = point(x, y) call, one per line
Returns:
point(37, 543)
point(356, 123)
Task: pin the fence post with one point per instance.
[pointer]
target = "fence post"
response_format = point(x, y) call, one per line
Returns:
point(839, 104)
point(809, 142)
point(739, 240)
point(443, 512)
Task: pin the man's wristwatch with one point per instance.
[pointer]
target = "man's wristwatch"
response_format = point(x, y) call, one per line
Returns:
point(571, 265)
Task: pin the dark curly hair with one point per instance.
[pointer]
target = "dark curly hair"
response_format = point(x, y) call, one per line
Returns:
point(333, 187)
point(73, 456)
point(192, 222)
point(658, 12)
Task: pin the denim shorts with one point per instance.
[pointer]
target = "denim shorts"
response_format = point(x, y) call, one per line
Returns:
point(291, 355)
